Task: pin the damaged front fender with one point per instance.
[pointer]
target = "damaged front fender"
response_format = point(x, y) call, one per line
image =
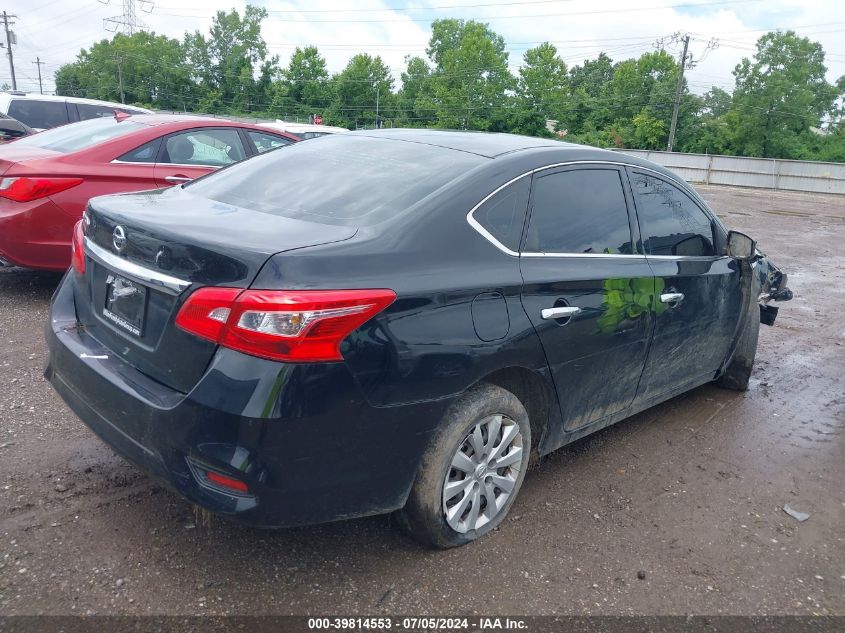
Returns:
point(772, 288)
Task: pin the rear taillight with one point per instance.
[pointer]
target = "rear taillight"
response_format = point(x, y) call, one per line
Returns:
point(25, 189)
point(288, 325)
point(77, 249)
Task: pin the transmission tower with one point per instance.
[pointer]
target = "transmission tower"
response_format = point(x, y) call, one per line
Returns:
point(128, 22)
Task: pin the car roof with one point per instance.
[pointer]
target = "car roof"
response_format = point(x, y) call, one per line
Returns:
point(287, 126)
point(487, 144)
point(163, 119)
point(542, 151)
point(9, 96)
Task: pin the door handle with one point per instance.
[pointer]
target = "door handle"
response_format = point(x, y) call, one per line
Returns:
point(672, 297)
point(175, 179)
point(562, 312)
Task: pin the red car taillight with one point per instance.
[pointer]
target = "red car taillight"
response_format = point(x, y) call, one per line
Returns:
point(287, 325)
point(77, 249)
point(25, 189)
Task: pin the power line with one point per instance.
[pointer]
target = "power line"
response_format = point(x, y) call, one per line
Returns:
point(397, 10)
point(499, 17)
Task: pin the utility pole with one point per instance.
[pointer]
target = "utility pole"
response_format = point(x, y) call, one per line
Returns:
point(120, 78)
point(9, 37)
point(378, 87)
point(39, 63)
point(674, 124)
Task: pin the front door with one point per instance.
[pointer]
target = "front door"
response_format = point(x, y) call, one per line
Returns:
point(587, 291)
point(699, 287)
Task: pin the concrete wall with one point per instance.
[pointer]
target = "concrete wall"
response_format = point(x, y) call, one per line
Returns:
point(765, 173)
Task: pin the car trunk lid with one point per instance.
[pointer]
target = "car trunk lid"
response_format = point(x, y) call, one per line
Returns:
point(12, 154)
point(146, 252)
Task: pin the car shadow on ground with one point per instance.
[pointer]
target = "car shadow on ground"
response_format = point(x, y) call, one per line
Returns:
point(33, 284)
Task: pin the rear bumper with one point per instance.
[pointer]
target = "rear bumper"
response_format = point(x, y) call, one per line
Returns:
point(35, 234)
point(302, 437)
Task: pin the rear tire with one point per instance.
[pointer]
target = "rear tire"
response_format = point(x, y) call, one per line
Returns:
point(472, 471)
point(738, 372)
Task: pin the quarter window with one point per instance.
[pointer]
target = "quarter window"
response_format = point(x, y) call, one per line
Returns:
point(144, 154)
point(265, 142)
point(671, 223)
point(579, 211)
point(206, 147)
point(503, 214)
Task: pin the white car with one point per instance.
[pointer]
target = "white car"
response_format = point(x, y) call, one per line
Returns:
point(41, 112)
point(304, 130)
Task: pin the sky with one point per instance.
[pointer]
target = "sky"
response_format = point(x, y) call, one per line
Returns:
point(722, 31)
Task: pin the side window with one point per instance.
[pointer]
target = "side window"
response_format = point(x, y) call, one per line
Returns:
point(204, 147)
point(503, 214)
point(579, 211)
point(88, 111)
point(42, 115)
point(671, 223)
point(144, 154)
point(264, 142)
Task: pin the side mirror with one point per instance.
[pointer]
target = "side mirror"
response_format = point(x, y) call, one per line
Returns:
point(740, 246)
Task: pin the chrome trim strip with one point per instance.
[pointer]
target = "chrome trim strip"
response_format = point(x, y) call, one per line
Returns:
point(580, 255)
point(132, 162)
point(171, 285)
point(486, 234)
point(703, 258)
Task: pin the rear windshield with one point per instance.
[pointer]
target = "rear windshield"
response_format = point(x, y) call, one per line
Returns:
point(337, 179)
point(77, 136)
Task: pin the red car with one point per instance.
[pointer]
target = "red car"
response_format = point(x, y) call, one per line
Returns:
point(47, 179)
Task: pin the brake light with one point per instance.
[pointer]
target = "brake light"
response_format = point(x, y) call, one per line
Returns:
point(287, 325)
point(77, 249)
point(26, 189)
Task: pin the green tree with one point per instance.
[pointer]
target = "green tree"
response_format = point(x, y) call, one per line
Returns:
point(414, 100)
point(151, 68)
point(543, 84)
point(780, 96)
point(304, 88)
point(470, 77)
point(231, 64)
point(585, 113)
point(640, 97)
point(362, 93)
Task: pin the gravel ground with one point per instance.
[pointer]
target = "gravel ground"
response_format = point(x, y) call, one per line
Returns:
point(676, 510)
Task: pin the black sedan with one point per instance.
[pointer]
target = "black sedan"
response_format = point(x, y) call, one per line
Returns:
point(396, 320)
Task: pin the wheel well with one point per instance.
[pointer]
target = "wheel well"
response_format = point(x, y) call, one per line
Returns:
point(529, 387)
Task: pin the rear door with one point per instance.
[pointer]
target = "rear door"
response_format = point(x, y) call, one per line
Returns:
point(698, 285)
point(193, 153)
point(588, 291)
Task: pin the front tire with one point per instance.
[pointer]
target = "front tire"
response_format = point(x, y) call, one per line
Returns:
point(472, 471)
